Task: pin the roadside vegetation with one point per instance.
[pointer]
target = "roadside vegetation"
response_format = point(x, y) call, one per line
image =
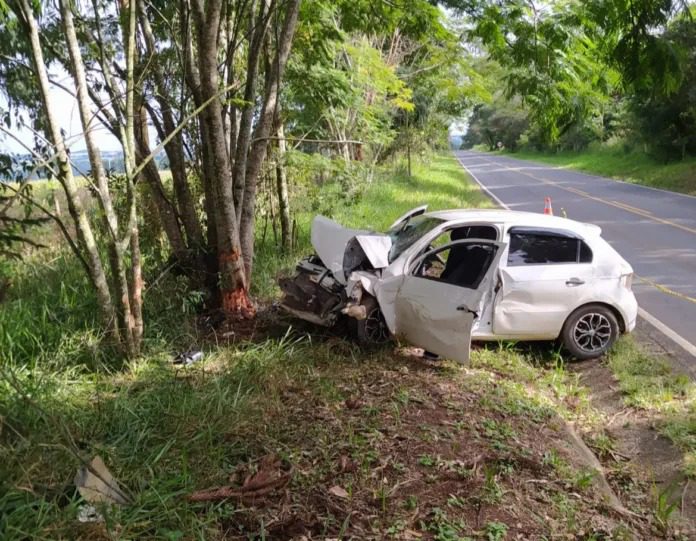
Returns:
point(366, 443)
point(138, 304)
point(629, 166)
point(649, 384)
point(567, 88)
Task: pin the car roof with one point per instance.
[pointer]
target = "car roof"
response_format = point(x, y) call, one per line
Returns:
point(514, 217)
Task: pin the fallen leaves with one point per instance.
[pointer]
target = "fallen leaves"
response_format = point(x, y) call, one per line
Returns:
point(339, 492)
point(272, 475)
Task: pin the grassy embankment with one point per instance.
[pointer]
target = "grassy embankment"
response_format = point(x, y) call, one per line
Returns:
point(651, 386)
point(635, 167)
point(379, 444)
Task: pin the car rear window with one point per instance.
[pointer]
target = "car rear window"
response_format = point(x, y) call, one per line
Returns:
point(539, 248)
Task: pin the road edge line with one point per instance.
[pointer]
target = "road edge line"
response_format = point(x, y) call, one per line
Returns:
point(669, 333)
point(593, 175)
point(490, 194)
point(652, 320)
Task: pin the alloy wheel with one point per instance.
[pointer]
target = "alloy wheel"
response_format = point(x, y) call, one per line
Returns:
point(375, 327)
point(592, 332)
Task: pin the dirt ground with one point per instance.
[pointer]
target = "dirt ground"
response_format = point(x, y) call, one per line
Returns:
point(393, 446)
point(639, 445)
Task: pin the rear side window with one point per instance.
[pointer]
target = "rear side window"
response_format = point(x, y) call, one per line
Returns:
point(527, 248)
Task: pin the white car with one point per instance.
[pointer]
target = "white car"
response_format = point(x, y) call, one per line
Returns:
point(440, 279)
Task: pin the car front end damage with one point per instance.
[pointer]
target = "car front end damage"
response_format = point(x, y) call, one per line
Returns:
point(324, 286)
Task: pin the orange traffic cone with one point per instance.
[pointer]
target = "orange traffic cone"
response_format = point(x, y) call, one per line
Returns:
point(548, 209)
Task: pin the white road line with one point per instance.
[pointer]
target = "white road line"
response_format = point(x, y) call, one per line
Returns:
point(652, 320)
point(598, 177)
point(486, 190)
point(669, 333)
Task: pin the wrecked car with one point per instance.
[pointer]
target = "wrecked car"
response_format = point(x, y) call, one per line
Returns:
point(440, 279)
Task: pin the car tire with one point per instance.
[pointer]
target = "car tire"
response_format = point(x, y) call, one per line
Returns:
point(371, 331)
point(590, 331)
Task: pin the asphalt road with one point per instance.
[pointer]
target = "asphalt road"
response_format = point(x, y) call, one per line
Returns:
point(654, 230)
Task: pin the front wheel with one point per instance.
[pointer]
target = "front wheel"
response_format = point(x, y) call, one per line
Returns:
point(590, 331)
point(373, 329)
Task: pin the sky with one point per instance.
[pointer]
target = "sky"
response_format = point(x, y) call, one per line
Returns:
point(68, 115)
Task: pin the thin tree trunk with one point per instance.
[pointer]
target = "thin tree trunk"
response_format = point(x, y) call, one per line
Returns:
point(282, 188)
point(84, 230)
point(165, 209)
point(247, 116)
point(135, 292)
point(263, 130)
point(116, 259)
point(175, 148)
point(235, 299)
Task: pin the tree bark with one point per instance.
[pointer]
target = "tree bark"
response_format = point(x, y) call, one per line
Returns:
point(233, 283)
point(132, 235)
point(246, 121)
point(116, 255)
point(175, 148)
point(263, 129)
point(282, 188)
point(165, 210)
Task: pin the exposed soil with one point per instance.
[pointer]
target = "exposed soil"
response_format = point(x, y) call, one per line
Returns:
point(402, 448)
point(406, 449)
point(648, 455)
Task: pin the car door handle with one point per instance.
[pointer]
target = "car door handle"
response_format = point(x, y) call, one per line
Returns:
point(465, 308)
point(570, 282)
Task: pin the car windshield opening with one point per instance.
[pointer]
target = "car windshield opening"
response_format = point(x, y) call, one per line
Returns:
point(403, 236)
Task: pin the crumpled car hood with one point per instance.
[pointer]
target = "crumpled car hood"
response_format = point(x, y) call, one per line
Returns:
point(330, 240)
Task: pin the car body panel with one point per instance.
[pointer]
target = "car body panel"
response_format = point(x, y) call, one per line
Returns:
point(537, 299)
point(330, 239)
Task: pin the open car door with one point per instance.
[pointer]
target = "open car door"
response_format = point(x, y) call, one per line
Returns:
point(442, 293)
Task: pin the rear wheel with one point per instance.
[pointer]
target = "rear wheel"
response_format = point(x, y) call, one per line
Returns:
point(373, 329)
point(590, 331)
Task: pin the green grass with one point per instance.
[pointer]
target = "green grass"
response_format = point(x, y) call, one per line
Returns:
point(649, 383)
point(440, 182)
point(613, 162)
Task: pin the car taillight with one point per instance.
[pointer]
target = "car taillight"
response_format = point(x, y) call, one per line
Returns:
point(627, 280)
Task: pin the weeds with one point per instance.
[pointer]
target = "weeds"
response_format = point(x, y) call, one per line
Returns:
point(496, 531)
point(165, 431)
point(665, 507)
point(648, 383)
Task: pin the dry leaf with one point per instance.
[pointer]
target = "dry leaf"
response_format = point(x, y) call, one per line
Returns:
point(96, 484)
point(339, 492)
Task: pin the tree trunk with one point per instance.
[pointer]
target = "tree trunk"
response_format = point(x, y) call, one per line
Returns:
point(263, 129)
point(175, 148)
point(132, 235)
point(233, 283)
point(65, 175)
point(114, 248)
point(247, 116)
point(165, 209)
point(282, 188)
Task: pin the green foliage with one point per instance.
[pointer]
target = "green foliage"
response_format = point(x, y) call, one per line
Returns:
point(650, 384)
point(573, 65)
point(666, 118)
point(496, 531)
